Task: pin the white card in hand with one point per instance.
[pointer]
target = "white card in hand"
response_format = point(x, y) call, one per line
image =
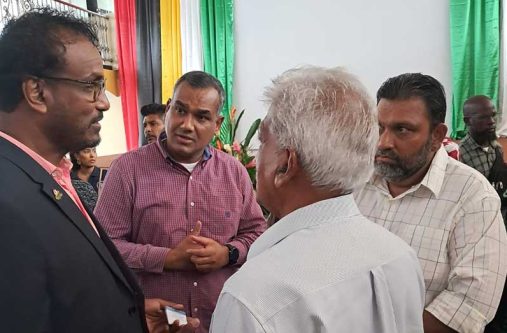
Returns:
point(173, 315)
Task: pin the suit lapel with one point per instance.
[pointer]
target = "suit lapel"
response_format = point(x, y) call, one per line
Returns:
point(60, 198)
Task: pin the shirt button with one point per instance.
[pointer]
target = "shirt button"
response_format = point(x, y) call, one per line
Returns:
point(192, 204)
point(195, 284)
point(132, 310)
point(191, 178)
point(196, 309)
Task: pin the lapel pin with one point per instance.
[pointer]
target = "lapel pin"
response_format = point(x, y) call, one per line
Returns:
point(57, 194)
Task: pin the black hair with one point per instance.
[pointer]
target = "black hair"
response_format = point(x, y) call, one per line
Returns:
point(153, 109)
point(32, 44)
point(203, 80)
point(73, 159)
point(408, 85)
point(75, 165)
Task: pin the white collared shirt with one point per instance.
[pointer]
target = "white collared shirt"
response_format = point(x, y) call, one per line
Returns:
point(324, 268)
point(452, 220)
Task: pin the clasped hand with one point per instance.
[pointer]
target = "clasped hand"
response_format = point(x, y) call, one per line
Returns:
point(197, 252)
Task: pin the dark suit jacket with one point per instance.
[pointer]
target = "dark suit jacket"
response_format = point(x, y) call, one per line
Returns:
point(56, 274)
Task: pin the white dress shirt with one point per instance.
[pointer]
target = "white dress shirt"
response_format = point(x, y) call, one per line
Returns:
point(324, 268)
point(452, 220)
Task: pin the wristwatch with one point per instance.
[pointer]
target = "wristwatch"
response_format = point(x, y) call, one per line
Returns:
point(233, 254)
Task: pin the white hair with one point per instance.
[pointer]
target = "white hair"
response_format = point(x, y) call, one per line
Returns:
point(329, 119)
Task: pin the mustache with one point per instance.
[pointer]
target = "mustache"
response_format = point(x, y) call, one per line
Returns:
point(184, 134)
point(387, 153)
point(99, 118)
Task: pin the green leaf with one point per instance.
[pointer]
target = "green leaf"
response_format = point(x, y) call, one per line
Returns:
point(249, 159)
point(251, 173)
point(253, 128)
point(225, 131)
point(236, 123)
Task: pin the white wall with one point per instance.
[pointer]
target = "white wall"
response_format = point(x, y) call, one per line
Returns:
point(80, 3)
point(373, 39)
point(106, 5)
point(113, 130)
point(102, 4)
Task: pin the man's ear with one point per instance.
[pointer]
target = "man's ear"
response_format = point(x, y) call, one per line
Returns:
point(438, 136)
point(288, 167)
point(33, 91)
point(218, 124)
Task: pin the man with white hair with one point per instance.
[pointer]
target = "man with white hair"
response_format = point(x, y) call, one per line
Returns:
point(322, 267)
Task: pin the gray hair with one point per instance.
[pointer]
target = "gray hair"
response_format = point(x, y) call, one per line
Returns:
point(329, 119)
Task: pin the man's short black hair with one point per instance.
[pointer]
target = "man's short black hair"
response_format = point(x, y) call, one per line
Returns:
point(32, 44)
point(153, 109)
point(203, 80)
point(406, 86)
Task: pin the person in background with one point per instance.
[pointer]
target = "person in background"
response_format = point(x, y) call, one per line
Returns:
point(479, 148)
point(444, 209)
point(86, 178)
point(481, 151)
point(83, 167)
point(153, 120)
point(323, 267)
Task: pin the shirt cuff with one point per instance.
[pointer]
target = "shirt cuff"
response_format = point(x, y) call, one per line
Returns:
point(155, 259)
point(454, 311)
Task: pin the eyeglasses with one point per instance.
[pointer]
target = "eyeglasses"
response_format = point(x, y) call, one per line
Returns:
point(97, 86)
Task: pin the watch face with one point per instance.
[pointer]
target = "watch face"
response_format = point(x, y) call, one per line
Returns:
point(233, 254)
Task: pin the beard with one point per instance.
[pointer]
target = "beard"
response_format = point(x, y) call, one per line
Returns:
point(402, 167)
point(482, 136)
point(490, 136)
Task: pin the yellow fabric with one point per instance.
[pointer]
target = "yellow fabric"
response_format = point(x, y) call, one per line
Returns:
point(170, 39)
point(111, 77)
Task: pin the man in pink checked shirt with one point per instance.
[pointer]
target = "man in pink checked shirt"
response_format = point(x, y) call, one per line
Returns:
point(182, 214)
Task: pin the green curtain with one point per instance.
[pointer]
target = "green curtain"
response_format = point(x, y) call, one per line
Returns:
point(475, 54)
point(217, 24)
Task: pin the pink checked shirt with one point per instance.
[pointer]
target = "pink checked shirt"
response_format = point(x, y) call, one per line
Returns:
point(60, 173)
point(150, 203)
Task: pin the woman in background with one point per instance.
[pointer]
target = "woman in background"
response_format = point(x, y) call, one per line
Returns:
point(86, 177)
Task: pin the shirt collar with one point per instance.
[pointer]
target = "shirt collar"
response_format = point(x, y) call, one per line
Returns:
point(161, 145)
point(433, 179)
point(322, 212)
point(64, 165)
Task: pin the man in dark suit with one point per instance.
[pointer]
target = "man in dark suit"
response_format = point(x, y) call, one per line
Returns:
point(59, 270)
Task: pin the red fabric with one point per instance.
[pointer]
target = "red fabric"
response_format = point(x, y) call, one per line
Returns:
point(125, 17)
point(451, 147)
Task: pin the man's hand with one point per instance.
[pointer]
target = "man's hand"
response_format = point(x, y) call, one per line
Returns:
point(178, 258)
point(433, 325)
point(157, 321)
point(210, 257)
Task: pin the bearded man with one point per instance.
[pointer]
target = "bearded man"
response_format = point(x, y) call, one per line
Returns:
point(479, 148)
point(445, 210)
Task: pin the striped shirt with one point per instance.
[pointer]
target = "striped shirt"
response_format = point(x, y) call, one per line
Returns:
point(452, 220)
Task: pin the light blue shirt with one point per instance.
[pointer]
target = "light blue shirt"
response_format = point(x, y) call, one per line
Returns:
point(324, 268)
